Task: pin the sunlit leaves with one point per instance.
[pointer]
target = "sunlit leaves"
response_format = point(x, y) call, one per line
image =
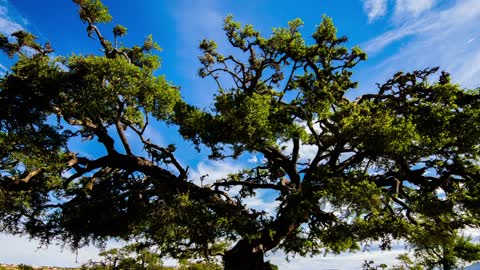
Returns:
point(93, 11)
point(119, 30)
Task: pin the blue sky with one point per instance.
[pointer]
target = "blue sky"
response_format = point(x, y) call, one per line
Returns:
point(396, 34)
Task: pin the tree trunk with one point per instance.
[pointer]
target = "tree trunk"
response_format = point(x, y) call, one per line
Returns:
point(245, 256)
point(446, 264)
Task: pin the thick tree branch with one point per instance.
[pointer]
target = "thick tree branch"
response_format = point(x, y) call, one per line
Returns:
point(148, 144)
point(121, 128)
point(30, 175)
point(277, 157)
point(123, 138)
point(108, 49)
point(98, 129)
point(249, 184)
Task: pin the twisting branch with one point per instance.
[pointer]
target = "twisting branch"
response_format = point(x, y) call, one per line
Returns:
point(93, 28)
point(405, 207)
point(289, 80)
point(296, 149)
point(120, 129)
point(98, 129)
point(123, 138)
point(30, 175)
point(277, 157)
point(295, 155)
point(183, 172)
point(109, 51)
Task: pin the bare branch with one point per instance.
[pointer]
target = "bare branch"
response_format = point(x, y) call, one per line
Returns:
point(30, 175)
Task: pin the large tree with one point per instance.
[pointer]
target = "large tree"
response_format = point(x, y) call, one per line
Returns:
point(399, 163)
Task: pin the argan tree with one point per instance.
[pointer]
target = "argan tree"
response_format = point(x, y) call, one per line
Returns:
point(398, 163)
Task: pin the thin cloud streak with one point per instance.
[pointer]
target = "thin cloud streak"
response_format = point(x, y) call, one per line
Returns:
point(403, 9)
point(8, 25)
point(437, 38)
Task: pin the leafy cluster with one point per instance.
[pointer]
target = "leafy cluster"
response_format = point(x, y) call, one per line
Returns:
point(400, 163)
point(139, 257)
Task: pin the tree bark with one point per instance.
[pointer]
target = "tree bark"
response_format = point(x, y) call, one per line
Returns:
point(245, 256)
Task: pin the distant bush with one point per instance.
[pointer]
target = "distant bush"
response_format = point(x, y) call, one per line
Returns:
point(24, 267)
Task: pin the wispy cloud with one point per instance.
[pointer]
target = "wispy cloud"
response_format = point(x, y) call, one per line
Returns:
point(8, 24)
point(412, 7)
point(261, 203)
point(253, 159)
point(403, 9)
point(207, 172)
point(441, 37)
point(375, 9)
point(445, 22)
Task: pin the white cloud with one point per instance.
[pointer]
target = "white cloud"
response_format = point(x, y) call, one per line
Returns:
point(260, 203)
point(437, 38)
point(445, 22)
point(253, 159)
point(474, 233)
point(342, 261)
point(412, 7)
point(15, 249)
point(21, 250)
point(404, 9)
point(207, 172)
point(306, 152)
point(264, 200)
point(8, 25)
point(375, 9)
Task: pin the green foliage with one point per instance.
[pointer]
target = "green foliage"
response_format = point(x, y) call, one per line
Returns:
point(93, 11)
point(398, 163)
point(86, 95)
point(406, 263)
point(24, 267)
point(186, 265)
point(138, 257)
point(437, 250)
point(132, 256)
point(119, 30)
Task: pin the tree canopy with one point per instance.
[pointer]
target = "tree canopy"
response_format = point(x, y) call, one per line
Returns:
point(398, 163)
